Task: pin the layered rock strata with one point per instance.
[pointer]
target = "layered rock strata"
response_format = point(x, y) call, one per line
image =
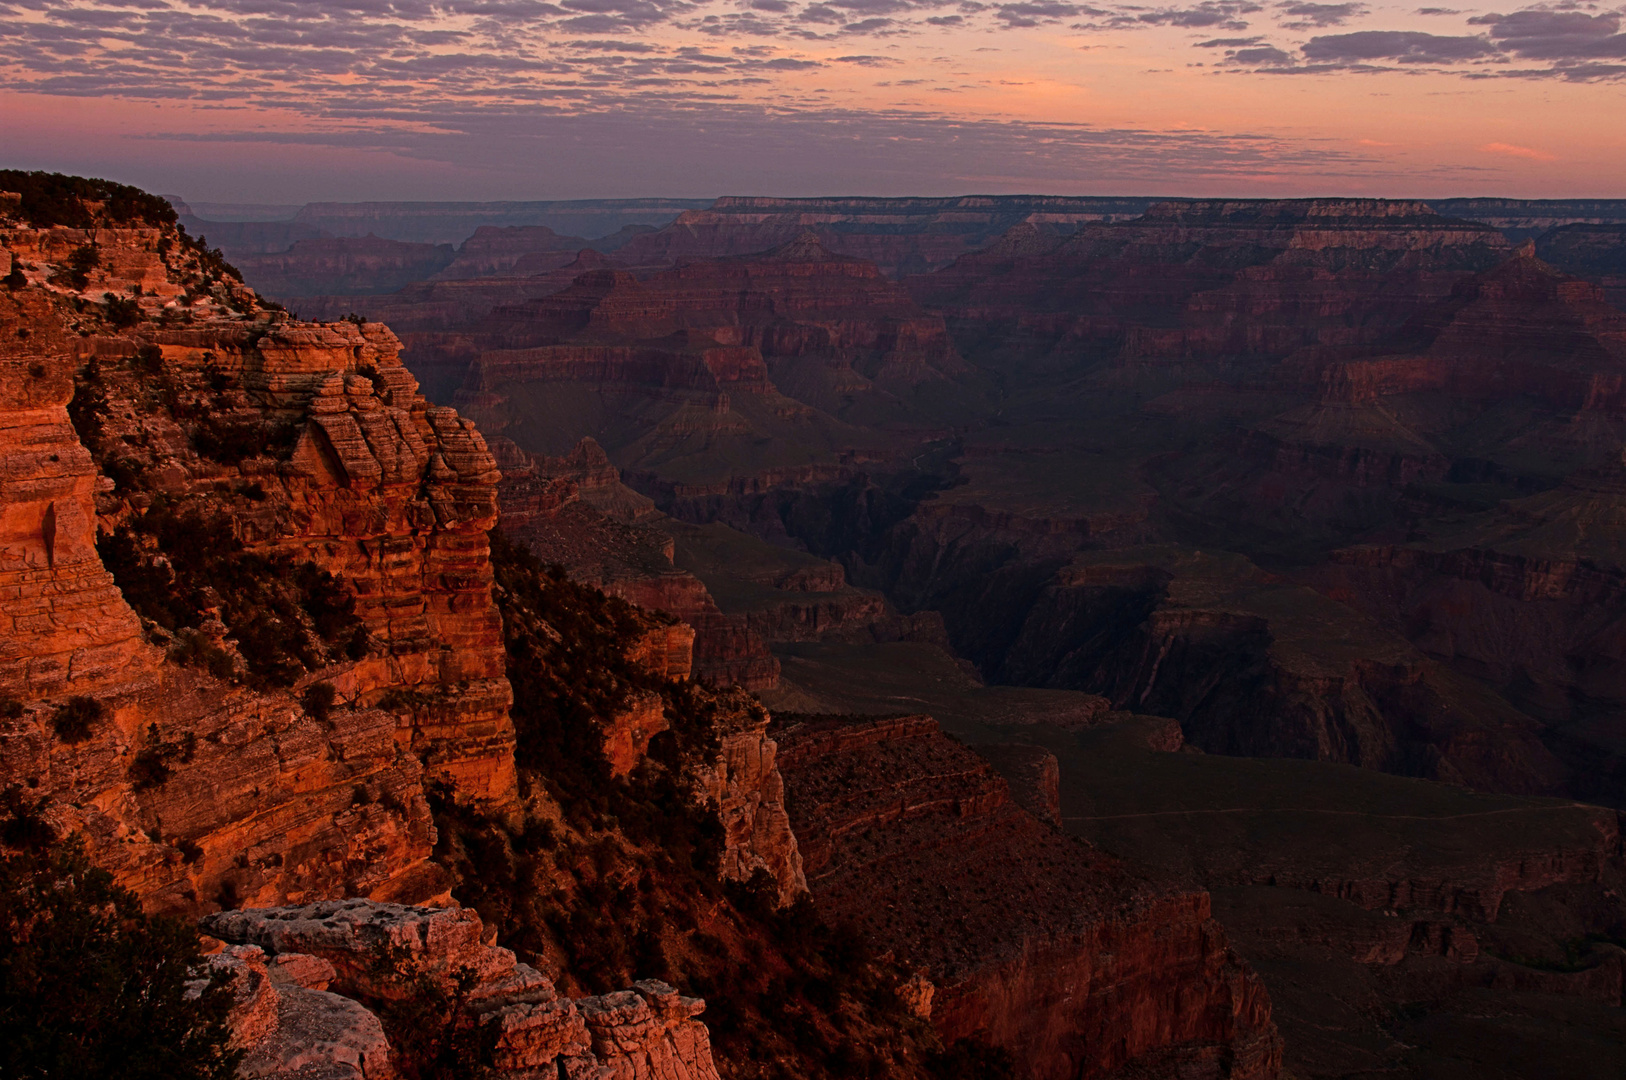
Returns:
point(574, 511)
point(1207, 279)
point(171, 744)
point(344, 265)
point(1072, 962)
point(748, 789)
point(902, 236)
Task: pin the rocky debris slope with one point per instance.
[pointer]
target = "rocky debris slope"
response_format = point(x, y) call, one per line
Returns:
point(312, 983)
point(305, 635)
point(1062, 955)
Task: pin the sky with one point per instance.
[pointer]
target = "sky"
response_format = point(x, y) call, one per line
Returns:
point(287, 101)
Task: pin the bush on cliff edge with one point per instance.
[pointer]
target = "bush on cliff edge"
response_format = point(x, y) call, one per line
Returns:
point(91, 987)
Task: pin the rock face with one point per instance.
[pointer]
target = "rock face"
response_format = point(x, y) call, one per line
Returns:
point(214, 756)
point(1594, 252)
point(66, 623)
point(1526, 219)
point(286, 1023)
point(575, 511)
point(1198, 280)
point(735, 344)
point(746, 785)
point(454, 222)
point(516, 251)
point(1351, 892)
point(1302, 386)
point(902, 236)
point(1032, 941)
point(379, 954)
point(347, 265)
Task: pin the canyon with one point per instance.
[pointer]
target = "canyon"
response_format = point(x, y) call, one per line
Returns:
point(269, 661)
point(1027, 636)
point(1326, 481)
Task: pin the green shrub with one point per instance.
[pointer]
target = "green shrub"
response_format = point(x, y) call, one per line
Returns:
point(55, 199)
point(122, 311)
point(74, 720)
point(151, 766)
point(318, 699)
point(91, 987)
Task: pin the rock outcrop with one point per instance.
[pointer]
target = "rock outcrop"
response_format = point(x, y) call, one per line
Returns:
point(303, 636)
point(306, 977)
point(1032, 941)
point(1594, 252)
point(574, 511)
point(745, 784)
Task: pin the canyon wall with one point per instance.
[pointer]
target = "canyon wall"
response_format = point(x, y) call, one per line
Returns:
point(1065, 957)
point(305, 637)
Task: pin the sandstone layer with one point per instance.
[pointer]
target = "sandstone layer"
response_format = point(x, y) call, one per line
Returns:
point(215, 439)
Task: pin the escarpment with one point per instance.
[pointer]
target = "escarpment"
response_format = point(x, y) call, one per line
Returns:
point(1203, 279)
point(1071, 961)
point(1236, 508)
point(250, 613)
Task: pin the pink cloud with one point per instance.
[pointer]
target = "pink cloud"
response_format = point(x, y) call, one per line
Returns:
point(1510, 150)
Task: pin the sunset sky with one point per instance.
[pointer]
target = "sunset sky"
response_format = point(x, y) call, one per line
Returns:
point(284, 101)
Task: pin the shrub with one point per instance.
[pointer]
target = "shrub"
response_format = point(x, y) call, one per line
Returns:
point(150, 359)
point(122, 311)
point(175, 566)
point(318, 699)
point(231, 441)
point(151, 766)
point(55, 199)
point(80, 263)
point(970, 1059)
point(194, 647)
point(21, 826)
point(90, 986)
point(74, 719)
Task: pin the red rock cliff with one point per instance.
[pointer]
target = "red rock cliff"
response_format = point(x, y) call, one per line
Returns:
point(1034, 941)
point(217, 750)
